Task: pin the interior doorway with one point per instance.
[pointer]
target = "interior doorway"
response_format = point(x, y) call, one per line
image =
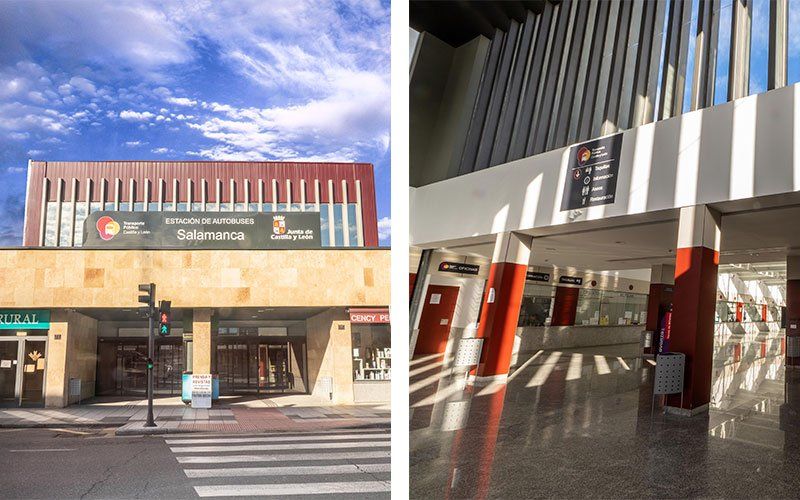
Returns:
point(436, 320)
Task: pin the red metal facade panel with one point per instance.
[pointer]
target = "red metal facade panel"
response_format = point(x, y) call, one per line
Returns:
point(199, 172)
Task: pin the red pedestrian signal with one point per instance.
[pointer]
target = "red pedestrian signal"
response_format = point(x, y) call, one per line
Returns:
point(164, 317)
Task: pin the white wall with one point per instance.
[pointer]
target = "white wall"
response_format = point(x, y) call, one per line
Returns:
point(745, 148)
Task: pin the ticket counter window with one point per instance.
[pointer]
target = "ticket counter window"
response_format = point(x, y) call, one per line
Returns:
point(372, 352)
point(537, 305)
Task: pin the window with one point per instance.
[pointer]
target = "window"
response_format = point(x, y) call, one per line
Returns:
point(197, 207)
point(537, 305)
point(138, 207)
point(152, 207)
point(311, 207)
point(226, 207)
point(50, 224)
point(167, 206)
point(295, 207)
point(372, 353)
point(607, 307)
point(109, 206)
point(338, 231)
point(66, 224)
point(252, 207)
point(95, 206)
point(212, 207)
point(240, 207)
point(80, 217)
point(352, 226)
point(183, 207)
point(324, 217)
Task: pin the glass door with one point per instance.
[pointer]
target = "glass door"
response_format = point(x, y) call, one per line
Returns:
point(273, 367)
point(33, 369)
point(9, 351)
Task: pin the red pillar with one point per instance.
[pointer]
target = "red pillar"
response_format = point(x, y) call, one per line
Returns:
point(565, 305)
point(501, 303)
point(793, 310)
point(693, 306)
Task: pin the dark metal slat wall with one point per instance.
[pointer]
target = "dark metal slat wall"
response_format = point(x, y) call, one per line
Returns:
point(581, 69)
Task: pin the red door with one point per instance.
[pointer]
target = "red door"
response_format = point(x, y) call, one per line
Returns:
point(437, 316)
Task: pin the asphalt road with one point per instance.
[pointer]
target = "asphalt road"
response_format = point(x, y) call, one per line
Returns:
point(94, 463)
point(87, 463)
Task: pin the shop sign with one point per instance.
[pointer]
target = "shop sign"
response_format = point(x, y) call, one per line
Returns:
point(367, 316)
point(570, 280)
point(457, 267)
point(534, 276)
point(31, 319)
point(201, 390)
point(592, 173)
point(201, 230)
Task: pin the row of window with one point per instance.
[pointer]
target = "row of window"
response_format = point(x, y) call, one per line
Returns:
point(595, 307)
point(59, 235)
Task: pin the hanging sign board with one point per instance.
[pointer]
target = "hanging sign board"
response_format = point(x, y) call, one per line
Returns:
point(457, 267)
point(534, 276)
point(215, 230)
point(201, 390)
point(592, 173)
point(570, 280)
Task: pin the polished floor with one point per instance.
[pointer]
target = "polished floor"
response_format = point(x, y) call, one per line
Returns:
point(578, 423)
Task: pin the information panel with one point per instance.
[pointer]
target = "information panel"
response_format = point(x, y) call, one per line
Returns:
point(195, 230)
point(202, 387)
point(592, 173)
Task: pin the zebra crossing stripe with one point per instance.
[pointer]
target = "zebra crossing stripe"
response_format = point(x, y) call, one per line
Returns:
point(196, 435)
point(303, 470)
point(276, 439)
point(275, 447)
point(283, 490)
point(282, 457)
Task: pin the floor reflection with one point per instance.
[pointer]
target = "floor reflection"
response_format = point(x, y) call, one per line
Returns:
point(578, 423)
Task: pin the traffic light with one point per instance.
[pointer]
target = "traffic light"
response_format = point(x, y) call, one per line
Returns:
point(149, 362)
point(149, 299)
point(164, 317)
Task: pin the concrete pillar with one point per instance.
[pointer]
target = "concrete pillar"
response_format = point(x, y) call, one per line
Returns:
point(662, 281)
point(694, 303)
point(329, 356)
point(793, 310)
point(501, 303)
point(201, 341)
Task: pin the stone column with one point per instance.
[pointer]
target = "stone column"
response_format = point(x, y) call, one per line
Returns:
point(201, 341)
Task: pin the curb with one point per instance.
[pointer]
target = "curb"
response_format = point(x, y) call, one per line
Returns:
point(36, 425)
point(152, 431)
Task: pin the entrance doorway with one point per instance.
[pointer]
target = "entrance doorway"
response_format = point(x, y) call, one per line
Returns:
point(257, 365)
point(22, 369)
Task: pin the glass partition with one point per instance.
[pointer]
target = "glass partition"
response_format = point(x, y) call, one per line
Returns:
point(537, 305)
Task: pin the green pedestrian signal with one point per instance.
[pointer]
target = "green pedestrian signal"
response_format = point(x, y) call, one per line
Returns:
point(149, 364)
point(164, 317)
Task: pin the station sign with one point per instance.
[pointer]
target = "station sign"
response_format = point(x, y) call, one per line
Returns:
point(369, 316)
point(570, 280)
point(534, 276)
point(24, 319)
point(202, 230)
point(592, 173)
point(458, 267)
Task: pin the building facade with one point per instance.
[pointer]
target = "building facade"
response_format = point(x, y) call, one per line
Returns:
point(277, 319)
point(604, 142)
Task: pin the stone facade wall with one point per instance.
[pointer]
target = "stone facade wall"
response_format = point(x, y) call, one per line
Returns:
point(52, 278)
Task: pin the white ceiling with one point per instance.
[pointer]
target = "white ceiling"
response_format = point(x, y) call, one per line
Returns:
point(752, 236)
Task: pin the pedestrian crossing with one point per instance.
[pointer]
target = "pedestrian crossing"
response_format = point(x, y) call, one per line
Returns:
point(346, 463)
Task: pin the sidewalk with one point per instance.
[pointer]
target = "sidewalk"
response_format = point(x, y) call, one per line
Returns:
point(291, 413)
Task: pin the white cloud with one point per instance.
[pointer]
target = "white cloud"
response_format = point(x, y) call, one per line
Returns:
point(161, 150)
point(82, 84)
point(136, 116)
point(16, 117)
point(17, 170)
point(133, 144)
point(35, 152)
point(181, 101)
point(384, 228)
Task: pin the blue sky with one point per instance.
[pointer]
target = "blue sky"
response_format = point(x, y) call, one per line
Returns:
point(243, 80)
